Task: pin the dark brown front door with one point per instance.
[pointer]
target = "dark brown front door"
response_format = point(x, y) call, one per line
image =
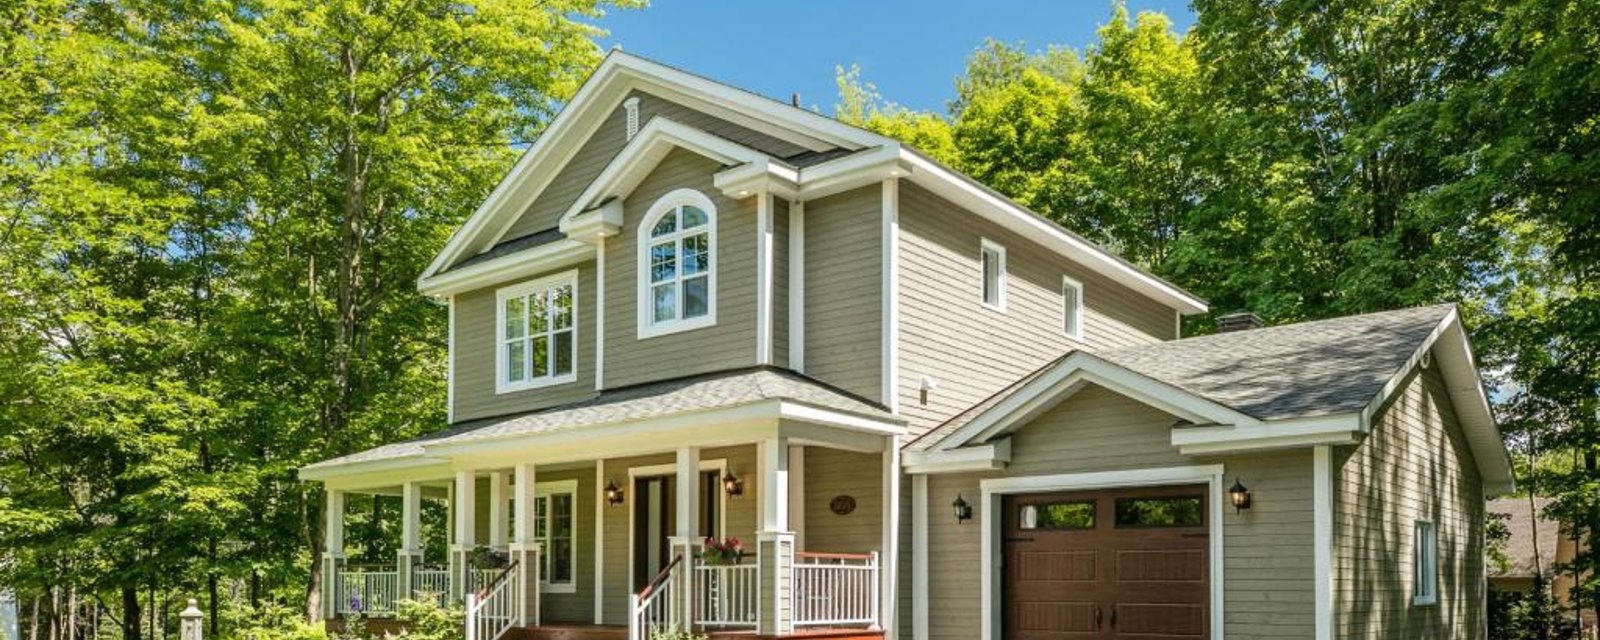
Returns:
point(1129, 563)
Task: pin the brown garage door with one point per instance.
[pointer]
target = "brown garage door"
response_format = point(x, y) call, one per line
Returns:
point(1107, 564)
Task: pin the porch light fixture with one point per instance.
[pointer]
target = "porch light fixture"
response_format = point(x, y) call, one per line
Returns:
point(1239, 496)
point(613, 494)
point(732, 484)
point(962, 509)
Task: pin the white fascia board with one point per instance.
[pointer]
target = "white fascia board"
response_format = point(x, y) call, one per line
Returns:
point(1280, 434)
point(381, 472)
point(763, 175)
point(789, 410)
point(1271, 443)
point(543, 258)
point(596, 224)
point(985, 457)
point(853, 171)
point(966, 193)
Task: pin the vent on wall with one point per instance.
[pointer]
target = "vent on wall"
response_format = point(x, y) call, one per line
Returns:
point(631, 106)
point(1239, 321)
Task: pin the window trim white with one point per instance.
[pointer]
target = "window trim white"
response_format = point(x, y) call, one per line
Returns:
point(1076, 312)
point(647, 326)
point(986, 245)
point(1424, 563)
point(543, 491)
point(502, 384)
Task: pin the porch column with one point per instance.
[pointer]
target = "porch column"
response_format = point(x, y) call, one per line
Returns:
point(775, 542)
point(687, 536)
point(525, 546)
point(410, 537)
point(889, 560)
point(332, 553)
point(497, 510)
point(466, 534)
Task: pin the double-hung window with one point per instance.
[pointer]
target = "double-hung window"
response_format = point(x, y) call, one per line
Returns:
point(555, 522)
point(538, 342)
point(677, 274)
point(1425, 565)
point(993, 258)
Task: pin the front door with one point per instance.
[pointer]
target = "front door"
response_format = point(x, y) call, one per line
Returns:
point(655, 521)
point(1126, 563)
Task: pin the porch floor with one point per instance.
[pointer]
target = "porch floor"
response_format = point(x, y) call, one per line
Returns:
point(620, 632)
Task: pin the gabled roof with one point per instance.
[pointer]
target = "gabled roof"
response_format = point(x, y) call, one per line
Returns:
point(1310, 383)
point(838, 156)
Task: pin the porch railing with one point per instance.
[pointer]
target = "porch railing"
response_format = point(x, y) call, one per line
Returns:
point(431, 582)
point(492, 609)
point(727, 595)
point(369, 591)
point(651, 608)
point(835, 589)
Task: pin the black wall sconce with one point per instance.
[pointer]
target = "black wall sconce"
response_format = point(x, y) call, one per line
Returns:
point(613, 494)
point(962, 509)
point(1239, 496)
point(732, 484)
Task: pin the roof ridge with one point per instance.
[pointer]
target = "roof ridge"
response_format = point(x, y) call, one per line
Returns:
point(1276, 328)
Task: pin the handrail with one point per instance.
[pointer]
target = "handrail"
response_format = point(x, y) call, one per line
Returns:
point(498, 578)
point(492, 609)
point(644, 608)
point(814, 555)
point(660, 577)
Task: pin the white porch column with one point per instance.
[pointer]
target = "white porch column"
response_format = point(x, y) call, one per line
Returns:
point(497, 510)
point(889, 561)
point(466, 500)
point(775, 540)
point(410, 537)
point(525, 546)
point(332, 553)
point(797, 495)
point(686, 535)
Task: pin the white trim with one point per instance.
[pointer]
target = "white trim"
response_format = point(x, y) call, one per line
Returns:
point(985, 247)
point(540, 259)
point(542, 491)
point(764, 277)
point(797, 286)
point(797, 494)
point(600, 506)
point(1075, 313)
point(647, 326)
point(919, 557)
point(1322, 538)
point(600, 314)
point(450, 362)
point(981, 457)
point(889, 561)
point(1424, 563)
point(890, 323)
point(993, 489)
point(501, 384)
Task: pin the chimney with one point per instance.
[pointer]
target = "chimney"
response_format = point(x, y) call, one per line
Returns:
point(794, 99)
point(1239, 321)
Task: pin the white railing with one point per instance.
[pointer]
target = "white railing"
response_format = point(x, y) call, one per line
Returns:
point(477, 579)
point(367, 591)
point(651, 608)
point(431, 583)
point(835, 589)
point(727, 595)
point(492, 609)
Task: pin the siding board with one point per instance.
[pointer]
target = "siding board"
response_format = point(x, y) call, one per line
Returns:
point(844, 284)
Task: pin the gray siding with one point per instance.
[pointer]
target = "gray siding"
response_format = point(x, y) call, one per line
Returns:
point(609, 139)
point(474, 354)
point(972, 350)
point(1414, 465)
point(1266, 550)
point(731, 342)
point(831, 473)
point(844, 284)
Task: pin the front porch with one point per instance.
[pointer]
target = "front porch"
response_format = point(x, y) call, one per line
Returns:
point(615, 547)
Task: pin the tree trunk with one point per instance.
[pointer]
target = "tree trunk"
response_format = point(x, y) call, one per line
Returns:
point(131, 624)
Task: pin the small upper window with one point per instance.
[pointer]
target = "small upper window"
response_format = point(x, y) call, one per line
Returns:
point(538, 343)
point(1425, 566)
point(677, 275)
point(1072, 308)
point(994, 274)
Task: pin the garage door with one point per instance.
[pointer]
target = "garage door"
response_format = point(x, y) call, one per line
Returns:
point(1107, 564)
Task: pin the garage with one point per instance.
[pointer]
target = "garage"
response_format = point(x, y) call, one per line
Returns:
point(1124, 563)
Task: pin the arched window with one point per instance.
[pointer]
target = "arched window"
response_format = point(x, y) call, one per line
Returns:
point(677, 264)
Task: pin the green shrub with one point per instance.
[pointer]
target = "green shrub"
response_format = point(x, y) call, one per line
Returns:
point(673, 633)
point(426, 620)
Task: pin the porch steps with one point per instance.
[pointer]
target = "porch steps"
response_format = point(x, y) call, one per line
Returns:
point(618, 632)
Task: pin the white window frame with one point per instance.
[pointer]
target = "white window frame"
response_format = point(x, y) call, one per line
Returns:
point(648, 327)
point(502, 383)
point(1072, 315)
point(543, 491)
point(1425, 563)
point(986, 246)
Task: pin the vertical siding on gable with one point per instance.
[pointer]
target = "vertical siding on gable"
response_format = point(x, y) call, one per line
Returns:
point(1413, 465)
point(844, 284)
point(1267, 563)
point(474, 354)
point(973, 351)
point(609, 139)
point(731, 343)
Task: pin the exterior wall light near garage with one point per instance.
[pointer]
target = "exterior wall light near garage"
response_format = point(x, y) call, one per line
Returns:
point(962, 509)
point(1239, 496)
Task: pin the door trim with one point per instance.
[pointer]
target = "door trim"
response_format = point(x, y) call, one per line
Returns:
point(993, 489)
point(720, 465)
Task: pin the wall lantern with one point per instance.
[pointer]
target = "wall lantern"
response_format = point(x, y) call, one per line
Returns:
point(732, 485)
point(613, 494)
point(962, 509)
point(1239, 496)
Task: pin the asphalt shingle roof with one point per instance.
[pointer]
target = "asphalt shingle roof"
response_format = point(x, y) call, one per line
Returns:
point(1528, 527)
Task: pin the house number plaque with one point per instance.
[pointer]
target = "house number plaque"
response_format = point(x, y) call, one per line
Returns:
point(843, 505)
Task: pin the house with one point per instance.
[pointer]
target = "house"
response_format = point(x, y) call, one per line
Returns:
point(1535, 546)
point(690, 311)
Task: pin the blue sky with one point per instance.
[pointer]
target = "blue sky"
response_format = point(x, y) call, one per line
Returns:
point(911, 50)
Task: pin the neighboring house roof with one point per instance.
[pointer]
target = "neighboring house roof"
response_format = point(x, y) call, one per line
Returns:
point(686, 395)
point(1317, 382)
point(1527, 526)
